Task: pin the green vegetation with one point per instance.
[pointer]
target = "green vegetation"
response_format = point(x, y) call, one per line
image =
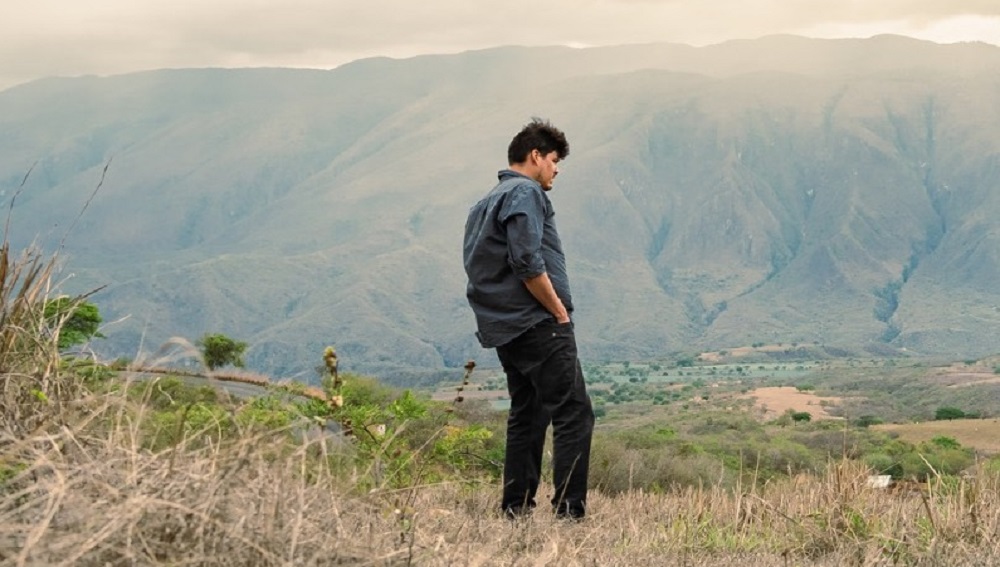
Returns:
point(949, 413)
point(868, 421)
point(77, 320)
point(219, 350)
point(174, 469)
point(397, 437)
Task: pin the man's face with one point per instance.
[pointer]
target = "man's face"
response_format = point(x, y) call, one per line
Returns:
point(548, 168)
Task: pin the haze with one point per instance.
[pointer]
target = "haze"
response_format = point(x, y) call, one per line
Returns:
point(104, 37)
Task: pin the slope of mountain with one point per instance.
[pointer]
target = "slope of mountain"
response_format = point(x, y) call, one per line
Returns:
point(782, 189)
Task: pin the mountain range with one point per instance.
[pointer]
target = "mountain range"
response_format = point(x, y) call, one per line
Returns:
point(780, 190)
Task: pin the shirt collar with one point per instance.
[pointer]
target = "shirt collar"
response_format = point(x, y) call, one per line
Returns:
point(505, 174)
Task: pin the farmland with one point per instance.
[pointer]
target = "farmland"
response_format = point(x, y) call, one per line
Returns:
point(771, 384)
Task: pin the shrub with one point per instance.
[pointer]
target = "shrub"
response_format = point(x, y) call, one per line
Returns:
point(220, 350)
point(780, 456)
point(945, 442)
point(170, 393)
point(194, 424)
point(75, 320)
point(992, 465)
point(880, 463)
point(466, 448)
point(28, 351)
point(868, 421)
point(616, 468)
point(90, 370)
point(269, 413)
point(948, 413)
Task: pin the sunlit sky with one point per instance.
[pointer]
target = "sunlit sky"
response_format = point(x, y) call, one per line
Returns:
point(104, 37)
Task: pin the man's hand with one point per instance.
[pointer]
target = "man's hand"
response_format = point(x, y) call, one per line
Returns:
point(541, 288)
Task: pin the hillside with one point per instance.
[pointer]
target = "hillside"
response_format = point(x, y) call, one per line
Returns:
point(103, 465)
point(776, 190)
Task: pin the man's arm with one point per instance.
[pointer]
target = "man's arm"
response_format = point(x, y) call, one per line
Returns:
point(523, 217)
point(541, 288)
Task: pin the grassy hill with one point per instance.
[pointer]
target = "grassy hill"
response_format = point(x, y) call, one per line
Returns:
point(98, 469)
point(978, 433)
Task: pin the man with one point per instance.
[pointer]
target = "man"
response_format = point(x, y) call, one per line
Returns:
point(519, 292)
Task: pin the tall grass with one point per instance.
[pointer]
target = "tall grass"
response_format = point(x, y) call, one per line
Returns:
point(78, 487)
point(83, 499)
point(29, 356)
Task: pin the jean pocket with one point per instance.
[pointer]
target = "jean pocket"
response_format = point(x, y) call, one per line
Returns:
point(563, 329)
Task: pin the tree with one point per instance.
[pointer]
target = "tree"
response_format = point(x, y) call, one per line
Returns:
point(800, 416)
point(685, 362)
point(77, 320)
point(220, 350)
point(948, 413)
point(868, 421)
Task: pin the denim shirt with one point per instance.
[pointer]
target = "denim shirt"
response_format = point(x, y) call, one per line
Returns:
point(511, 236)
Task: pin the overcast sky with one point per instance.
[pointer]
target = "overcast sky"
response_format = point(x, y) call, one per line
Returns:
point(76, 37)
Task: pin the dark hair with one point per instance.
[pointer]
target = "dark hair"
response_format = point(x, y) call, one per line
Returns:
point(538, 135)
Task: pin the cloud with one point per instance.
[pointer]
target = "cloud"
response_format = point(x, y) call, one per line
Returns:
point(55, 37)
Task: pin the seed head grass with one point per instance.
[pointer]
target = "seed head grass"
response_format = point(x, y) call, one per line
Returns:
point(79, 485)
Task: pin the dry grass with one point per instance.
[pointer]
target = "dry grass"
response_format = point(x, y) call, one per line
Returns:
point(961, 375)
point(28, 351)
point(85, 499)
point(738, 352)
point(983, 435)
point(78, 488)
point(774, 401)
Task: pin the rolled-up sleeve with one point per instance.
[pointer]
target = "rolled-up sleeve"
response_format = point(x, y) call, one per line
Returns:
point(523, 218)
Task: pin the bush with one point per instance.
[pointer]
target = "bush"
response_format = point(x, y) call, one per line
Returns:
point(467, 448)
point(76, 321)
point(880, 463)
point(833, 443)
point(948, 413)
point(992, 465)
point(29, 352)
point(945, 442)
point(194, 424)
point(780, 456)
point(364, 390)
point(269, 413)
point(90, 370)
point(868, 421)
point(616, 468)
point(170, 393)
point(220, 350)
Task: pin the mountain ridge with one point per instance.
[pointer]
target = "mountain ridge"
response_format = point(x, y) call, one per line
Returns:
point(773, 190)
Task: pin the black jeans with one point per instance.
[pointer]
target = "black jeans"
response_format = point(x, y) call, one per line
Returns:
point(546, 385)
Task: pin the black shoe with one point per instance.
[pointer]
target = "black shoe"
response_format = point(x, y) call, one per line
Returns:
point(516, 512)
point(571, 511)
